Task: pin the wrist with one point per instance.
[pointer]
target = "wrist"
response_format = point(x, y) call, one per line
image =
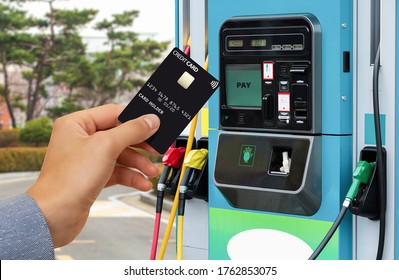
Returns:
point(63, 223)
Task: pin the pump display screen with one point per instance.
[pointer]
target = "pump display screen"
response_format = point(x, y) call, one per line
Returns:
point(235, 43)
point(258, 43)
point(244, 85)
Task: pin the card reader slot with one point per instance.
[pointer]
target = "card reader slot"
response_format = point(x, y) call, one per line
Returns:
point(268, 107)
point(298, 69)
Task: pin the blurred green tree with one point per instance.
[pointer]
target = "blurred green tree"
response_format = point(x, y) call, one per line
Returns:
point(67, 106)
point(36, 131)
point(14, 47)
point(105, 76)
point(50, 51)
point(39, 47)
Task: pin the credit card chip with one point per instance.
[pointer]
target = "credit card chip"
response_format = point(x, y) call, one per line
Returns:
point(185, 80)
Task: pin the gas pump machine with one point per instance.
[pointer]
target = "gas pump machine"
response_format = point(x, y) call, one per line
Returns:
point(270, 75)
point(282, 163)
point(282, 140)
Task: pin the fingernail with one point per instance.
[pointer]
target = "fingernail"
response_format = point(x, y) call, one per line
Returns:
point(152, 121)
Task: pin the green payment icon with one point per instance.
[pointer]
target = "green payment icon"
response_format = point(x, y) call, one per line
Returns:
point(247, 155)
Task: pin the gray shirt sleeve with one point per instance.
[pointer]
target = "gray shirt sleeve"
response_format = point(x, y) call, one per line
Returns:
point(24, 233)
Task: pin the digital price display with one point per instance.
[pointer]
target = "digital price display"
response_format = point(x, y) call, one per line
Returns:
point(235, 43)
point(258, 43)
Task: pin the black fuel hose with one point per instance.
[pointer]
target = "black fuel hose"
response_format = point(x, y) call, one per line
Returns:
point(379, 162)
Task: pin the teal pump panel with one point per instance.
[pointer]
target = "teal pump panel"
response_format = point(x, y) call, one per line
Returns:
point(280, 137)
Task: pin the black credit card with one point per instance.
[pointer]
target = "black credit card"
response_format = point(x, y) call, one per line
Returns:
point(175, 92)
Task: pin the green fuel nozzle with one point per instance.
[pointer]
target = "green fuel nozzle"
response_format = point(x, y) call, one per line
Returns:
point(361, 175)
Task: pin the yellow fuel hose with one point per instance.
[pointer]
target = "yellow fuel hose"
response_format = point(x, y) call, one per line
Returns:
point(173, 211)
point(194, 160)
point(180, 223)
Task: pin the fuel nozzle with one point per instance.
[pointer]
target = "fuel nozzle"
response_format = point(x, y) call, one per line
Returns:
point(174, 157)
point(195, 160)
point(361, 175)
point(172, 160)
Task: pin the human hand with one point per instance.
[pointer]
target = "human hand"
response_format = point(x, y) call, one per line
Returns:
point(89, 150)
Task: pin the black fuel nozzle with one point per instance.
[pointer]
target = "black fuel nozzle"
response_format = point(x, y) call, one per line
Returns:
point(366, 202)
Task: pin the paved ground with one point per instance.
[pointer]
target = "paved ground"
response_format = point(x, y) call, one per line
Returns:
point(120, 225)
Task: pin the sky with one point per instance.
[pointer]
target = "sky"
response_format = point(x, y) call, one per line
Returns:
point(156, 18)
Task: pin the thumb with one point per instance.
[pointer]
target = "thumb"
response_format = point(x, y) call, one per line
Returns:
point(133, 132)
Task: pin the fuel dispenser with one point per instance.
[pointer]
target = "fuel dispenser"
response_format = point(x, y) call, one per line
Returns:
point(280, 131)
point(270, 70)
point(292, 131)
